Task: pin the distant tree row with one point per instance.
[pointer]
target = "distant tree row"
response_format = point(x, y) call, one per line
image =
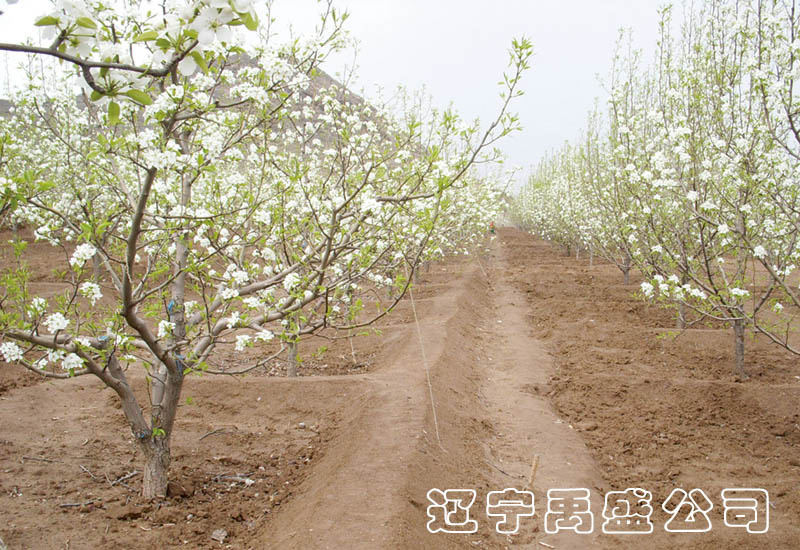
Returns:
point(692, 174)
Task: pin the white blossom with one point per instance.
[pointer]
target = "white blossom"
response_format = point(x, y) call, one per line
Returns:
point(11, 352)
point(165, 328)
point(56, 322)
point(187, 66)
point(234, 319)
point(265, 335)
point(241, 341)
point(38, 305)
point(55, 355)
point(83, 253)
point(91, 291)
point(72, 361)
point(82, 341)
point(290, 281)
point(228, 293)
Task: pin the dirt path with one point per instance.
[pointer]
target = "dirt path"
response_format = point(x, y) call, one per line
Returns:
point(523, 420)
point(352, 498)
point(486, 372)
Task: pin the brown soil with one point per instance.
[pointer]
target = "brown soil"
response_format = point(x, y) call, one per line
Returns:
point(524, 353)
point(660, 412)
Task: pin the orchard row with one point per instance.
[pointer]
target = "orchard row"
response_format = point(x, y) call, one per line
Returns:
point(691, 174)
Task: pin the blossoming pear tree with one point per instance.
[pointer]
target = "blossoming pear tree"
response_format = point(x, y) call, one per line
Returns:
point(702, 153)
point(209, 187)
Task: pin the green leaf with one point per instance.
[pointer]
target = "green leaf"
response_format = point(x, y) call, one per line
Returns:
point(249, 21)
point(95, 95)
point(113, 113)
point(201, 62)
point(86, 23)
point(139, 97)
point(146, 36)
point(46, 21)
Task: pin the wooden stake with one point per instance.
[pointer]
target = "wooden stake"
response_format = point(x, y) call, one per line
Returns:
point(534, 467)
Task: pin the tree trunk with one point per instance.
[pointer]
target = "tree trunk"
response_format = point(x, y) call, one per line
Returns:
point(156, 467)
point(680, 322)
point(738, 332)
point(155, 449)
point(626, 269)
point(158, 383)
point(291, 363)
point(97, 267)
point(352, 348)
point(591, 258)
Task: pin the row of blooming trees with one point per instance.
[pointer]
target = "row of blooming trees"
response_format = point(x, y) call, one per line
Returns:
point(210, 187)
point(692, 174)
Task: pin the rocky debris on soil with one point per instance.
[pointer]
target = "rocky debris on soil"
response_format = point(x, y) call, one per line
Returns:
point(219, 535)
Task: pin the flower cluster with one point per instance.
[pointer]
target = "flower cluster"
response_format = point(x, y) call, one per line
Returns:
point(83, 253)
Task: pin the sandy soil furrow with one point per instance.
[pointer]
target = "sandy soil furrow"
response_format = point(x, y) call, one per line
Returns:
point(356, 493)
point(523, 421)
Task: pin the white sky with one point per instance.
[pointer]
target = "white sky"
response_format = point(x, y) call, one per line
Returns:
point(458, 49)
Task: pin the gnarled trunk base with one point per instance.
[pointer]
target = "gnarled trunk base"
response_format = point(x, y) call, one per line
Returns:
point(156, 468)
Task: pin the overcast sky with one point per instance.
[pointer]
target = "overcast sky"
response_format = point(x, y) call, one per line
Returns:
point(458, 50)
